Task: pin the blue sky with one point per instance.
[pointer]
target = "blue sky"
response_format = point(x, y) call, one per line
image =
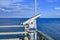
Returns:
point(25, 8)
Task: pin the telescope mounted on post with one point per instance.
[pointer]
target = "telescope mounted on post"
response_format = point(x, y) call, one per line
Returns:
point(31, 28)
point(30, 25)
point(31, 19)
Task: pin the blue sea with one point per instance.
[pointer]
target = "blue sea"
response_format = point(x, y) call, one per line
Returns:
point(49, 26)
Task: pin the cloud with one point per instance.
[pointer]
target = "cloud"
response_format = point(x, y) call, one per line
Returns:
point(8, 2)
point(9, 6)
point(57, 8)
point(53, 0)
point(13, 8)
point(17, 8)
point(17, 0)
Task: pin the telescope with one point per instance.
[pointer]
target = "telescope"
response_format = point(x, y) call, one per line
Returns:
point(31, 28)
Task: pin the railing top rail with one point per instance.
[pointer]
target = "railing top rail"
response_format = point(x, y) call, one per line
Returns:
point(5, 26)
point(44, 35)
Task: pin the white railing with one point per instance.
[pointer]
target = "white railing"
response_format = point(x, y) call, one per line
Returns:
point(42, 36)
point(11, 26)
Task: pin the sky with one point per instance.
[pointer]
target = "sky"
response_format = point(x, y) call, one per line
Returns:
point(25, 8)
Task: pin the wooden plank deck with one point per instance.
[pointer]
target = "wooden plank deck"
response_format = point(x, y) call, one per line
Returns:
point(12, 39)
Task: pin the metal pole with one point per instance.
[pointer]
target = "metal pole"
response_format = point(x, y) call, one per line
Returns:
point(35, 7)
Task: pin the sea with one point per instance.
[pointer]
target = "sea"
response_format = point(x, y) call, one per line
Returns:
point(49, 26)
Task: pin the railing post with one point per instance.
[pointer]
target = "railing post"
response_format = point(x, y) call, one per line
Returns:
point(40, 36)
point(25, 38)
point(43, 36)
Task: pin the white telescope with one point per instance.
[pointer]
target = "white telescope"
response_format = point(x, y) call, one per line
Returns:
point(31, 19)
point(31, 28)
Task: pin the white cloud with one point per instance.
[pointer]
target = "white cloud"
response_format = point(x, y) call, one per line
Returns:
point(57, 8)
point(53, 0)
point(17, 8)
point(4, 3)
point(17, 0)
point(8, 2)
point(8, 6)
